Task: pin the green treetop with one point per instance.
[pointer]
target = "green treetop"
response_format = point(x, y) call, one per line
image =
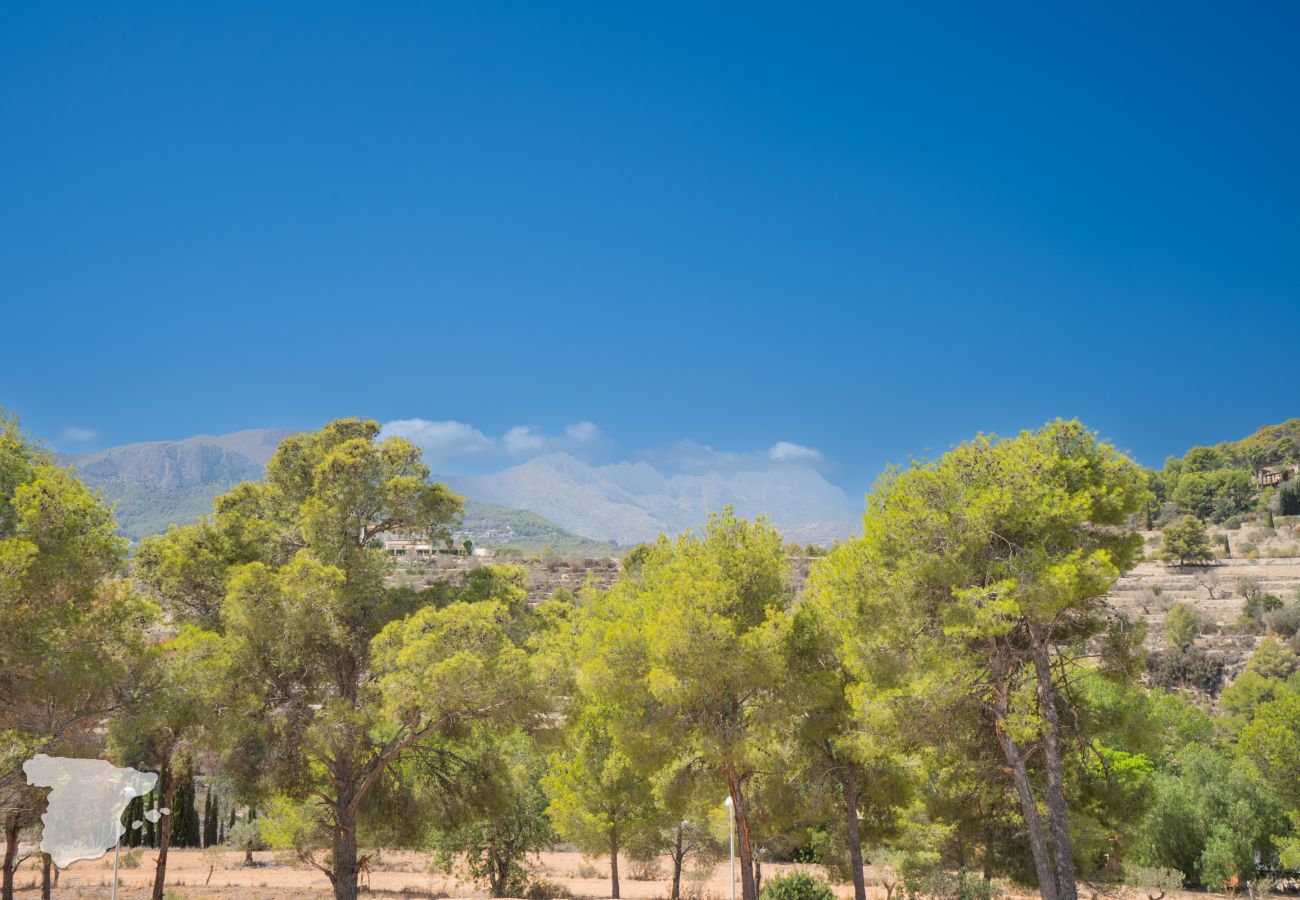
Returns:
point(997, 558)
point(688, 645)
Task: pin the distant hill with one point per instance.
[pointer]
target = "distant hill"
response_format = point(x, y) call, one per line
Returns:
point(157, 483)
point(490, 525)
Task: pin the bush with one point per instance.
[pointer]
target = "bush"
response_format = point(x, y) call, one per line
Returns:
point(1232, 523)
point(1182, 625)
point(1259, 604)
point(645, 870)
point(1191, 667)
point(960, 885)
point(1284, 621)
point(1154, 881)
point(542, 889)
point(797, 886)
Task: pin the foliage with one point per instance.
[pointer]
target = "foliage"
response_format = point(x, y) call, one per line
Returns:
point(1209, 819)
point(1182, 625)
point(1288, 498)
point(1284, 621)
point(688, 645)
point(1185, 542)
point(796, 886)
point(495, 836)
point(69, 627)
point(1191, 667)
point(599, 802)
point(992, 564)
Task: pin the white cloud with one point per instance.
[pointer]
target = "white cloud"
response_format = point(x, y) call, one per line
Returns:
point(523, 440)
point(446, 441)
point(441, 441)
point(584, 432)
point(77, 434)
point(784, 451)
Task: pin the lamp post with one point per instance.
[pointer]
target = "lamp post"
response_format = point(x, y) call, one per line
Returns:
point(731, 816)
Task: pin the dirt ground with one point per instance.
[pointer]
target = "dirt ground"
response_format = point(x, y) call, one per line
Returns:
point(397, 874)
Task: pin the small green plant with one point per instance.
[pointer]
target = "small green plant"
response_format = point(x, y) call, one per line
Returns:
point(1155, 882)
point(797, 886)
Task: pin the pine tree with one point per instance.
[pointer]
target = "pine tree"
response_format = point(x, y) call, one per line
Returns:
point(209, 819)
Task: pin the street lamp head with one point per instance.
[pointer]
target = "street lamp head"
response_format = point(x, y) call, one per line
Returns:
point(728, 800)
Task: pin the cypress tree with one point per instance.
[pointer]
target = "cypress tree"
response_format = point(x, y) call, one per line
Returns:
point(1270, 518)
point(209, 819)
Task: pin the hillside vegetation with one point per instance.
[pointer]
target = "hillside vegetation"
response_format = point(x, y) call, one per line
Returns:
point(1214, 483)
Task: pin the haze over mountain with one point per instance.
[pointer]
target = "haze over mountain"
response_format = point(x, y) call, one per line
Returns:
point(554, 499)
point(630, 502)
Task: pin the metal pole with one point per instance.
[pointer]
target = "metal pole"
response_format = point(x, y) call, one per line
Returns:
point(117, 849)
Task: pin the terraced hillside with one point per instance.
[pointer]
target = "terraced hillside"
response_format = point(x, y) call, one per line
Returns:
point(1217, 592)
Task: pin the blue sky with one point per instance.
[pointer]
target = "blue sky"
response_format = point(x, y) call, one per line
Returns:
point(866, 232)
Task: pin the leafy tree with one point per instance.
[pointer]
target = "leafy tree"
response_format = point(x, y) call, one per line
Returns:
point(505, 823)
point(1202, 459)
point(598, 800)
point(1288, 498)
point(305, 714)
point(831, 695)
point(1272, 743)
point(158, 730)
point(1185, 541)
point(68, 626)
point(1209, 819)
point(687, 644)
point(999, 556)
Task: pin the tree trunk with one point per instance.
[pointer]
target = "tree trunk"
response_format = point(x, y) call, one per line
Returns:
point(748, 889)
point(345, 851)
point(1056, 810)
point(678, 857)
point(1024, 790)
point(45, 876)
point(613, 863)
point(855, 840)
point(758, 876)
point(164, 832)
point(11, 857)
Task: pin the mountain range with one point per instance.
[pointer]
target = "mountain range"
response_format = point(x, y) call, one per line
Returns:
point(554, 500)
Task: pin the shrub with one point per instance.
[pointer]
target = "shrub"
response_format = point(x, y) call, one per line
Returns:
point(1181, 627)
point(1259, 604)
point(1190, 667)
point(645, 870)
point(543, 889)
point(1154, 881)
point(1232, 523)
point(960, 885)
point(1284, 621)
point(797, 886)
